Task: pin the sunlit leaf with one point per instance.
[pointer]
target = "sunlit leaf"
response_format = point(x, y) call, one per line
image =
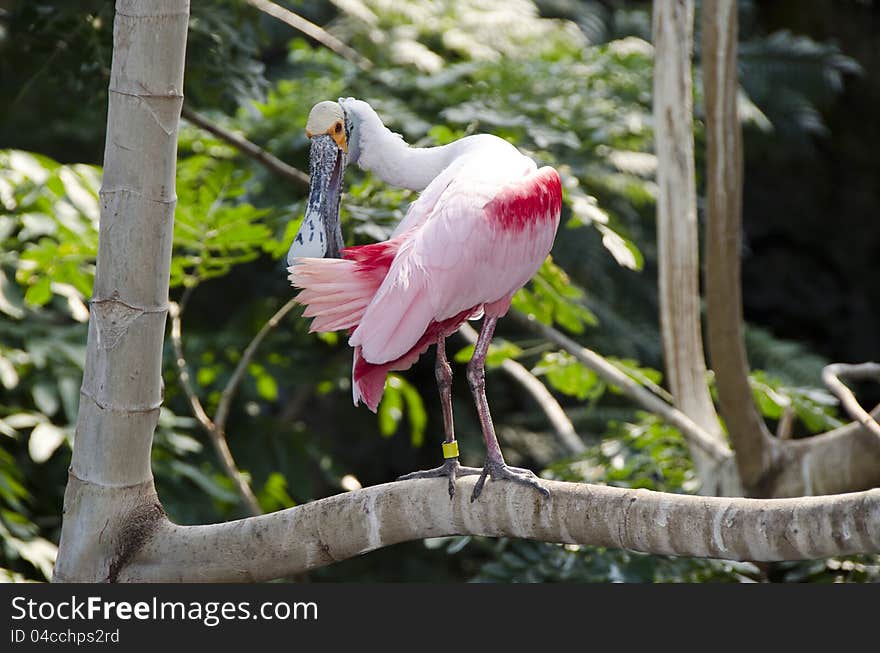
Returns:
point(39, 293)
point(44, 440)
point(390, 409)
point(568, 376)
point(8, 374)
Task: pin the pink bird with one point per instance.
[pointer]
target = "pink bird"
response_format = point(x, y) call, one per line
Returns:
point(484, 222)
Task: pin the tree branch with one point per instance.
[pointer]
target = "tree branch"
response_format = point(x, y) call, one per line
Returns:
point(345, 525)
point(216, 434)
point(247, 148)
point(831, 376)
point(845, 459)
point(313, 31)
point(564, 430)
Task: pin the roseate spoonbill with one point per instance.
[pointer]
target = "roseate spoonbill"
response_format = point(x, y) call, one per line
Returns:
point(481, 227)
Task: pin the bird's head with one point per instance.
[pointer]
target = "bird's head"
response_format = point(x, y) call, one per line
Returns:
point(320, 234)
point(333, 129)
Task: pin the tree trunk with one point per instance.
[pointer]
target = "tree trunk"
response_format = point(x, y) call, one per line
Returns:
point(110, 505)
point(754, 445)
point(677, 235)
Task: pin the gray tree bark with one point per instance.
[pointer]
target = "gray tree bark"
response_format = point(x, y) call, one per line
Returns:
point(339, 527)
point(677, 235)
point(752, 440)
point(842, 460)
point(110, 504)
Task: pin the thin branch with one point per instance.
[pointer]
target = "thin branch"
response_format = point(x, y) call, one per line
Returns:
point(694, 434)
point(248, 148)
point(566, 435)
point(313, 31)
point(216, 435)
point(786, 423)
point(195, 403)
point(831, 376)
point(222, 413)
point(345, 525)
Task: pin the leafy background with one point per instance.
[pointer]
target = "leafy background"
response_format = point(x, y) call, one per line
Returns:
point(569, 82)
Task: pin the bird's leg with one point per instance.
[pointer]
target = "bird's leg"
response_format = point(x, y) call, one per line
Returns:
point(443, 374)
point(450, 467)
point(495, 466)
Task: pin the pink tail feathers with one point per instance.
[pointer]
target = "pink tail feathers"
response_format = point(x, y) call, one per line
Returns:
point(336, 292)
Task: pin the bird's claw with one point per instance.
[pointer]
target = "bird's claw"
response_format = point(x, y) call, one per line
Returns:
point(500, 472)
point(449, 469)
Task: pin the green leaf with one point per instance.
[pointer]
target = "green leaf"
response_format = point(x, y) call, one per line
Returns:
point(8, 374)
point(45, 397)
point(24, 420)
point(390, 409)
point(68, 389)
point(624, 251)
point(499, 351)
point(39, 293)
point(568, 376)
point(41, 553)
point(273, 495)
point(206, 375)
point(267, 387)
point(553, 297)
point(415, 411)
point(215, 485)
point(10, 302)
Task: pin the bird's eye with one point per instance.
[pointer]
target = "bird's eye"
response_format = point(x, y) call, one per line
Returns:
point(338, 127)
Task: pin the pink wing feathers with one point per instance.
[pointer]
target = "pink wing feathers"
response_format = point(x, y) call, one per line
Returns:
point(479, 245)
point(470, 247)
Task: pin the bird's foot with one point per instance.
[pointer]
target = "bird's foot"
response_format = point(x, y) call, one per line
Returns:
point(449, 469)
point(498, 471)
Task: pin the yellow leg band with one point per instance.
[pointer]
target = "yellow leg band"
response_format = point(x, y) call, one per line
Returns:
point(450, 449)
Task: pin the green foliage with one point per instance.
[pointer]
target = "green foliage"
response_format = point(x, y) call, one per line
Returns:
point(399, 394)
point(552, 297)
point(213, 229)
point(646, 453)
point(500, 350)
point(788, 360)
point(227, 69)
point(792, 78)
point(565, 374)
point(816, 408)
point(49, 229)
point(427, 36)
point(532, 562)
point(273, 495)
point(55, 69)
